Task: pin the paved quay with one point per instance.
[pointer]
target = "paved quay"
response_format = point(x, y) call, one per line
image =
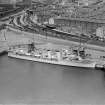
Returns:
point(46, 39)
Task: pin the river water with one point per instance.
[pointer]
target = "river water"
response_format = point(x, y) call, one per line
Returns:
point(31, 82)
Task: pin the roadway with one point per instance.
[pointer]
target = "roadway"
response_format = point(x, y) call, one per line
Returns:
point(6, 14)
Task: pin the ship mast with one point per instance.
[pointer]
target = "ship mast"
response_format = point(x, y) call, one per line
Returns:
point(81, 52)
point(31, 46)
point(79, 46)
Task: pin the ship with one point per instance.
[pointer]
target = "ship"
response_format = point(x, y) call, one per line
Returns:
point(73, 58)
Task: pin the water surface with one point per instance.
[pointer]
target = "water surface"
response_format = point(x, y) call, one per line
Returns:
point(31, 82)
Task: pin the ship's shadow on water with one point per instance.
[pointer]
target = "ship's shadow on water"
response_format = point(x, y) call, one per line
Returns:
point(103, 78)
